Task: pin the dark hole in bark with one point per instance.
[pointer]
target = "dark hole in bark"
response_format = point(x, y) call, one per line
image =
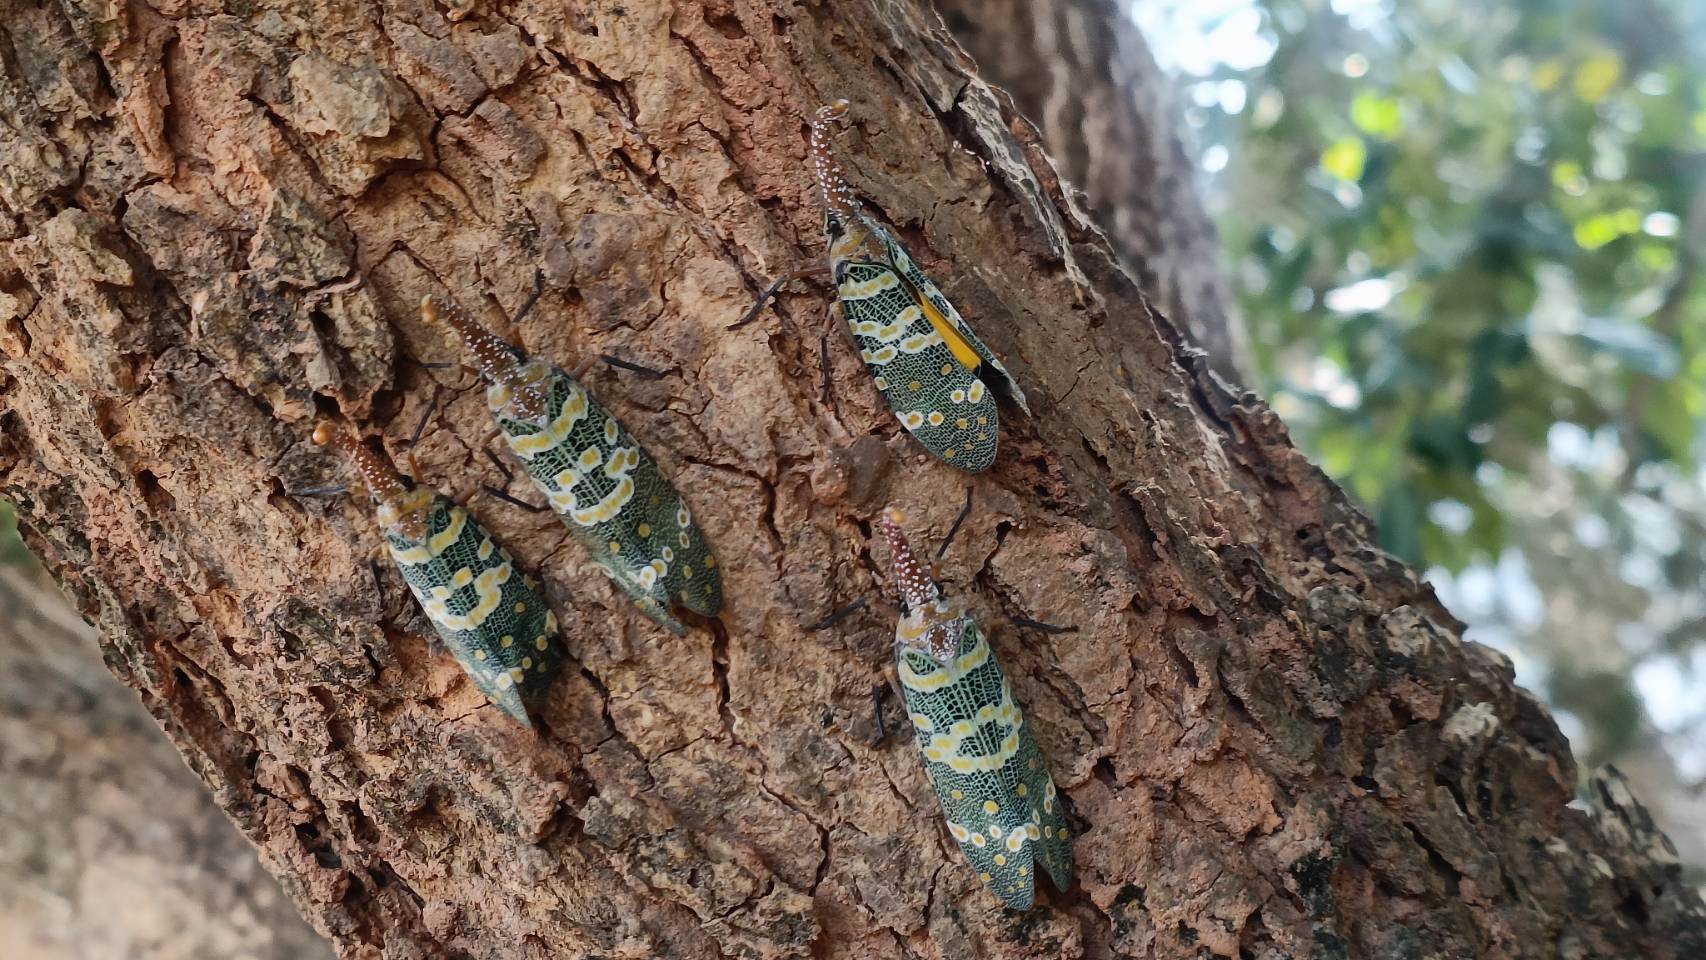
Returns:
point(158, 500)
point(1634, 908)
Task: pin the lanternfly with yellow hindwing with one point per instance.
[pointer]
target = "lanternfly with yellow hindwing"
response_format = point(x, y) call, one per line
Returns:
point(941, 380)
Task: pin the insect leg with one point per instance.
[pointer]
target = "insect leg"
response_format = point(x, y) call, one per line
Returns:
point(426, 415)
point(631, 367)
point(523, 504)
point(508, 474)
point(878, 691)
point(954, 530)
point(839, 615)
point(1040, 626)
point(579, 371)
point(378, 582)
point(414, 465)
point(532, 298)
point(774, 288)
point(823, 363)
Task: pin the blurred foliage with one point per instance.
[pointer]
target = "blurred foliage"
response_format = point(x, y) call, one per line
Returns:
point(1467, 236)
point(11, 547)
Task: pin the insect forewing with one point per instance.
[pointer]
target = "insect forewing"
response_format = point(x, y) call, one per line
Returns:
point(996, 792)
point(487, 612)
point(613, 498)
point(937, 399)
point(999, 799)
point(902, 260)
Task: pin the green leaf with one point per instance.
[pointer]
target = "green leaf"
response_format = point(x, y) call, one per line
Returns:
point(1344, 158)
point(1597, 76)
point(1377, 116)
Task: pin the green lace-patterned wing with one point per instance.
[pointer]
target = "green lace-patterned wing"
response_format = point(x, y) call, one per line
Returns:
point(938, 377)
point(487, 612)
point(997, 793)
point(613, 498)
point(937, 398)
point(997, 376)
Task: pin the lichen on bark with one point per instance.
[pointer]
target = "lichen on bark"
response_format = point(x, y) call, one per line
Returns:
point(217, 223)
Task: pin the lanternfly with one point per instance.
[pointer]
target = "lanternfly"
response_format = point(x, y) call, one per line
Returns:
point(1000, 801)
point(939, 378)
point(488, 613)
point(604, 486)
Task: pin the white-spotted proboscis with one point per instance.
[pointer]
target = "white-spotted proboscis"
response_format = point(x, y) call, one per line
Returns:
point(608, 491)
point(488, 613)
point(996, 791)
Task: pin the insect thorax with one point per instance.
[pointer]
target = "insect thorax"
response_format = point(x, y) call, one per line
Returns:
point(856, 240)
point(933, 630)
point(523, 399)
point(406, 516)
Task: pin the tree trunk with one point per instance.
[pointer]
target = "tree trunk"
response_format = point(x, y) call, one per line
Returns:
point(1271, 736)
point(1081, 71)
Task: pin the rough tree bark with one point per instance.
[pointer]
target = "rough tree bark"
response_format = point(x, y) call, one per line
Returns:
point(219, 222)
point(1081, 71)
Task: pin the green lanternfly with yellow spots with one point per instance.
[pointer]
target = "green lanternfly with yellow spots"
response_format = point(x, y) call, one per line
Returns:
point(939, 378)
point(988, 772)
point(604, 486)
point(486, 611)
